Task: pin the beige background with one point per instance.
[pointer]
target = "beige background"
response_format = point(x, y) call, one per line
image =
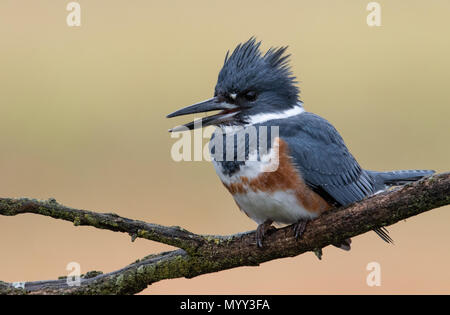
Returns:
point(82, 119)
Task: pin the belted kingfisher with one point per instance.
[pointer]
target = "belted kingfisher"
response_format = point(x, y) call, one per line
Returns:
point(315, 171)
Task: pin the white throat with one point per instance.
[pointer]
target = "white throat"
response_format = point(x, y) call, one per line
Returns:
point(261, 118)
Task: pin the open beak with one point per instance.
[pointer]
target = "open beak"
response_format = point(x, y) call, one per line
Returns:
point(227, 112)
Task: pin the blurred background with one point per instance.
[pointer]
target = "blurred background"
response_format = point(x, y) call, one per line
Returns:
point(82, 120)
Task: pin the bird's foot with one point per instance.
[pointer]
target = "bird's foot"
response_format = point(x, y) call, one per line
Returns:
point(261, 231)
point(299, 228)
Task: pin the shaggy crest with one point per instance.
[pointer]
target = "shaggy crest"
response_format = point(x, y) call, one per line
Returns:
point(247, 69)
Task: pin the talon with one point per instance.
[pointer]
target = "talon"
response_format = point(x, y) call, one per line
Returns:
point(299, 228)
point(261, 232)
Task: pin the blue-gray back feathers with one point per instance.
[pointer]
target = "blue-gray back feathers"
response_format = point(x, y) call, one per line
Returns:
point(326, 165)
point(323, 160)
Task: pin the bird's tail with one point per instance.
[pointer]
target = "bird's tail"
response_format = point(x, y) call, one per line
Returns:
point(386, 179)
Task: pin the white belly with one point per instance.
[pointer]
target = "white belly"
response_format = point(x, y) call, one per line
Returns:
point(280, 207)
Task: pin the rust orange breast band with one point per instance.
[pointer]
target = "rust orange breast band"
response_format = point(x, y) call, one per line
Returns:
point(284, 178)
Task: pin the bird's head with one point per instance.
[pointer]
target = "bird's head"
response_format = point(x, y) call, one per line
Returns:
point(250, 83)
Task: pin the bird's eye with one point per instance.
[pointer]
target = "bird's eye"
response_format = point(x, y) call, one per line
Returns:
point(250, 96)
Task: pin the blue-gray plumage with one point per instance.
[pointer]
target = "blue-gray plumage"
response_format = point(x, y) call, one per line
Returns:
point(316, 171)
point(327, 166)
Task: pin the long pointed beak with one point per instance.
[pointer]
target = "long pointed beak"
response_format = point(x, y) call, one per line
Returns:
point(228, 111)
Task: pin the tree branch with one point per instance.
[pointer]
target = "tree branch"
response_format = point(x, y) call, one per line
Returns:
point(201, 254)
point(173, 235)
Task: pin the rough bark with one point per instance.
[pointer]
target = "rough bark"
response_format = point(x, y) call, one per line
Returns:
point(201, 254)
